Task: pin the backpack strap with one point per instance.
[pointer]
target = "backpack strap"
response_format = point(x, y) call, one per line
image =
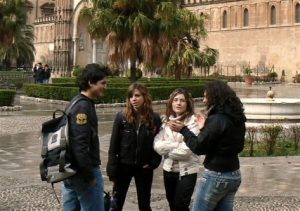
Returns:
point(43, 170)
point(68, 110)
point(62, 156)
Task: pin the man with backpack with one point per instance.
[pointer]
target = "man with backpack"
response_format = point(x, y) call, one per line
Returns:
point(84, 191)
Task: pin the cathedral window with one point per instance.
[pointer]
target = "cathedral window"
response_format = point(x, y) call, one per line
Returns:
point(297, 13)
point(246, 17)
point(47, 9)
point(273, 15)
point(224, 19)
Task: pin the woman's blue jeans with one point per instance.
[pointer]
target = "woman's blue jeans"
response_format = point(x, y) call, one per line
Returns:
point(216, 191)
point(78, 195)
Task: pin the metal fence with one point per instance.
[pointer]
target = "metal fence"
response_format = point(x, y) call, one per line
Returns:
point(15, 79)
point(236, 70)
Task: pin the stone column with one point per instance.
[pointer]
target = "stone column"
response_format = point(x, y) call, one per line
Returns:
point(94, 57)
point(74, 50)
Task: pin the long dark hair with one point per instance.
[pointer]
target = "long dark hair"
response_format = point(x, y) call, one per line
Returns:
point(222, 97)
point(189, 101)
point(147, 110)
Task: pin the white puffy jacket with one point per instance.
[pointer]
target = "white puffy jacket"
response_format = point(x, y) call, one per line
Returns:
point(171, 146)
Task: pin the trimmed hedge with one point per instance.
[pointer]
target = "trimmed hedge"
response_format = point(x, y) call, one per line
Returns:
point(125, 85)
point(7, 97)
point(64, 80)
point(50, 92)
point(72, 80)
point(112, 95)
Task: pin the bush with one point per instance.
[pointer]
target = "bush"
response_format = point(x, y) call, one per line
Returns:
point(295, 135)
point(64, 80)
point(122, 84)
point(217, 76)
point(296, 78)
point(138, 74)
point(270, 137)
point(7, 97)
point(142, 80)
point(251, 139)
point(50, 92)
point(272, 76)
point(77, 71)
point(112, 94)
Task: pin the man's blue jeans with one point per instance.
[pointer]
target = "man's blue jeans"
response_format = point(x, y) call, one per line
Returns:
point(216, 191)
point(79, 195)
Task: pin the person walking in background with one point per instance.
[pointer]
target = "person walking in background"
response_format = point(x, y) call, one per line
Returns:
point(47, 74)
point(221, 138)
point(131, 153)
point(34, 70)
point(38, 73)
point(84, 191)
point(180, 164)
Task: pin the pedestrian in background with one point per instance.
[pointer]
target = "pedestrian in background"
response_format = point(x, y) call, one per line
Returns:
point(46, 74)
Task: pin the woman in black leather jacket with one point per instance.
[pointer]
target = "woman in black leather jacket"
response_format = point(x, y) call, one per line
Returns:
point(131, 152)
point(221, 139)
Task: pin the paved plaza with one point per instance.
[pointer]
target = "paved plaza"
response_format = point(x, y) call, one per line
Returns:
point(268, 183)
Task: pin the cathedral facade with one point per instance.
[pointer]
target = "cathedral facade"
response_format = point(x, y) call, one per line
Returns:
point(61, 37)
point(259, 34)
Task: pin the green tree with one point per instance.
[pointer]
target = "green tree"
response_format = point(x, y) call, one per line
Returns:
point(157, 33)
point(208, 57)
point(16, 38)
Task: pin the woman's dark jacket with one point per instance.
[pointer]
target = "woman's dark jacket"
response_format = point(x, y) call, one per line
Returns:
point(221, 139)
point(131, 146)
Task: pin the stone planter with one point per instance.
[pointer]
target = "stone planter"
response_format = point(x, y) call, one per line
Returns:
point(248, 80)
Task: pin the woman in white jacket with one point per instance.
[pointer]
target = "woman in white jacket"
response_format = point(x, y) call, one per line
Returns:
point(180, 164)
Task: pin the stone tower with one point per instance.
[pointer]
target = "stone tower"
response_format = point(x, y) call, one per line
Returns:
point(62, 39)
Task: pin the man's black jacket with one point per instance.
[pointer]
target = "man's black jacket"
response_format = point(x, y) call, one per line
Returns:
point(131, 147)
point(83, 135)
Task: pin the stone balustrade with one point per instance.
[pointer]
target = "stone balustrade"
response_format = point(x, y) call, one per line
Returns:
point(46, 19)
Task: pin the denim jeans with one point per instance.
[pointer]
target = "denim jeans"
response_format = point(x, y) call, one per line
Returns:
point(79, 195)
point(217, 190)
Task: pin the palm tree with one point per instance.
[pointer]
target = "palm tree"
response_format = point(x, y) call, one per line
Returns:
point(16, 38)
point(208, 58)
point(156, 33)
point(22, 48)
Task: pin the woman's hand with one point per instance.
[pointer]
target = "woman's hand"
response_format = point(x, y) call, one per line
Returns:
point(176, 125)
point(201, 120)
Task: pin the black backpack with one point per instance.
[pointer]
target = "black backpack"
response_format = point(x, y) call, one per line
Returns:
point(55, 165)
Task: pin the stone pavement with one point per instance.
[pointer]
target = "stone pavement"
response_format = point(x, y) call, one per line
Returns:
point(268, 183)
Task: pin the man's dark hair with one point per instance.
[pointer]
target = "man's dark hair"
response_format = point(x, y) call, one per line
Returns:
point(92, 73)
